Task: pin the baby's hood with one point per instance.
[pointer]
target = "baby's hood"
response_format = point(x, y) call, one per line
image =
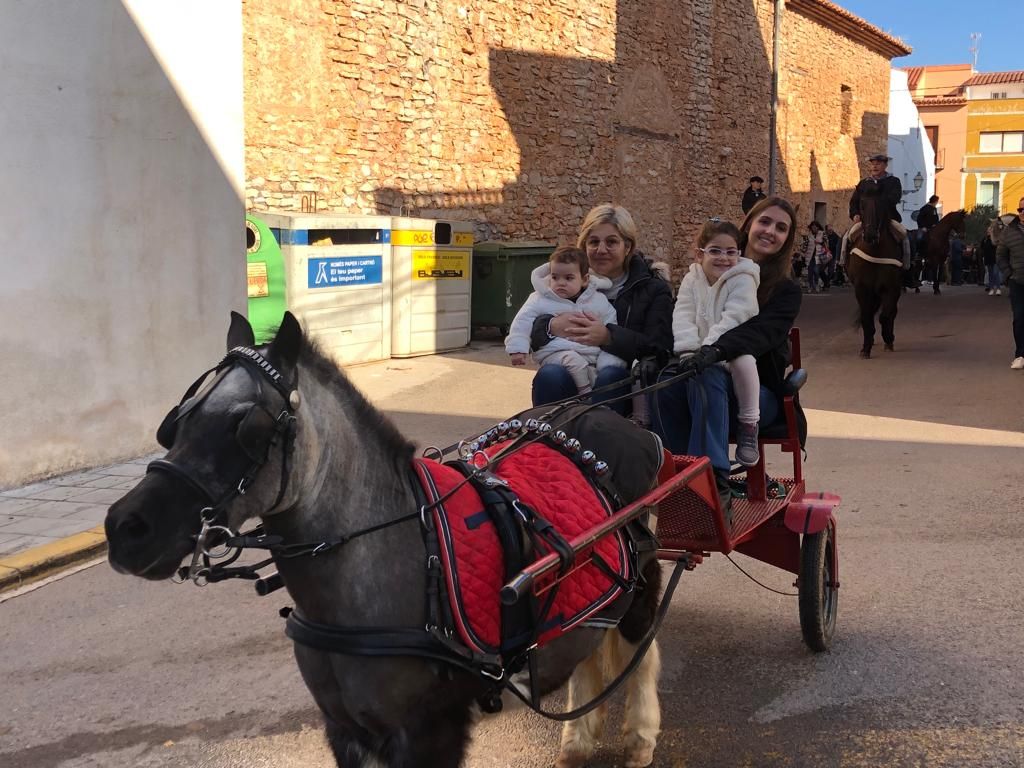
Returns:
point(539, 278)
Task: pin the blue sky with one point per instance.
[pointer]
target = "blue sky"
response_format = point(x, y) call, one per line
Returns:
point(939, 30)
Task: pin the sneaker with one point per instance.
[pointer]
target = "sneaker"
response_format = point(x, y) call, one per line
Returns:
point(990, 292)
point(747, 453)
point(1017, 364)
point(999, 292)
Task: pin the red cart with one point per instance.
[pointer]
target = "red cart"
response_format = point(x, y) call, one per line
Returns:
point(778, 522)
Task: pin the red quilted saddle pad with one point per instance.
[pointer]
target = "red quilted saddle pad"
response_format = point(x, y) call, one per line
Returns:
point(552, 485)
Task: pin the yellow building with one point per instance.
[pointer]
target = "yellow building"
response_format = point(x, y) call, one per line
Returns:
point(993, 161)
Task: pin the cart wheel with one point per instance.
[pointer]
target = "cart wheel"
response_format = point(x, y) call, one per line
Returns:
point(819, 597)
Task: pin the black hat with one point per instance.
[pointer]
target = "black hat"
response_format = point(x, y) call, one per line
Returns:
point(880, 156)
point(758, 179)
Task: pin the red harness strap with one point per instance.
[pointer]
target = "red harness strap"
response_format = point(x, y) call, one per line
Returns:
point(473, 561)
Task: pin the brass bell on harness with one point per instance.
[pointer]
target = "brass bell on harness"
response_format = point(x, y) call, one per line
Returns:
point(572, 445)
point(601, 468)
point(588, 458)
point(515, 426)
point(532, 425)
point(502, 427)
point(492, 434)
point(559, 437)
point(544, 428)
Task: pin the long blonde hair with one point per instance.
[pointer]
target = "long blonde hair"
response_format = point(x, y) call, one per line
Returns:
point(618, 217)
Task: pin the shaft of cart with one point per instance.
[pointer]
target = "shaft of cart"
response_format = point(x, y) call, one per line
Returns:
point(524, 581)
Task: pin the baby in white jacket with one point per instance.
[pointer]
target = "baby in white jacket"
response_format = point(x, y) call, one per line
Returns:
point(717, 294)
point(563, 285)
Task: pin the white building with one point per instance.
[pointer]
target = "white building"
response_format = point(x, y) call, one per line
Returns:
point(122, 154)
point(913, 157)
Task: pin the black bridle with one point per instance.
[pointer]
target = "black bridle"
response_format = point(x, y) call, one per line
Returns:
point(259, 431)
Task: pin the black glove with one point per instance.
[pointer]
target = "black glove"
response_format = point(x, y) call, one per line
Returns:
point(703, 358)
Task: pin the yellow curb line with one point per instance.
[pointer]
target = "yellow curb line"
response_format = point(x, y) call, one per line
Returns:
point(33, 564)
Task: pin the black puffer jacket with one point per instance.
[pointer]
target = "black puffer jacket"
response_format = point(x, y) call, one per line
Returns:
point(644, 311)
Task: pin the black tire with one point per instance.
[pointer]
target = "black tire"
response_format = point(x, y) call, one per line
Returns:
point(819, 596)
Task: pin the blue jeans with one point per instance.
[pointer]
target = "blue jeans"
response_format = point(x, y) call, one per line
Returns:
point(553, 383)
point(678, 408)
point(995, 277)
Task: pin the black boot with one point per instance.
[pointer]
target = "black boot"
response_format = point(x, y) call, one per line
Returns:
point(724, 494)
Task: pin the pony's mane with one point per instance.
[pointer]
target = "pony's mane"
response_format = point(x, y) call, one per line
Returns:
point(326, 371)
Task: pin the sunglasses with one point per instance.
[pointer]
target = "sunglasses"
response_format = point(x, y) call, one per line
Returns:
point(1020, 210)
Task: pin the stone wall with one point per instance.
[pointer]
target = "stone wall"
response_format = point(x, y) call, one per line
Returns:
point(522, 115)
point(834, 112)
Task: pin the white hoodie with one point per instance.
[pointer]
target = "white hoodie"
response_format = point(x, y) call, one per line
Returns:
point(544, 301)
point(704, 312)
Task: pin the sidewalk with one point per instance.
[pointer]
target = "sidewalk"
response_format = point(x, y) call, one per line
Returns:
point(54, 523)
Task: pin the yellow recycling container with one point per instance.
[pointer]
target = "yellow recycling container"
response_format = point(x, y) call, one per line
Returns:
point(431, 279)
point(338, 280)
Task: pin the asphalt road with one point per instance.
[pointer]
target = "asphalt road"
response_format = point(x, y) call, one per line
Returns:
point(923, 444)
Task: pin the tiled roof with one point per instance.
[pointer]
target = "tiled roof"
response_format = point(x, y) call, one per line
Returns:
point(913, 76)
point(852, 26)
point(940, 101)
point(995, 78)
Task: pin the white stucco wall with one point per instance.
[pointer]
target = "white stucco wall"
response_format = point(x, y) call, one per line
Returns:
point(909, 147)
point(121, 144)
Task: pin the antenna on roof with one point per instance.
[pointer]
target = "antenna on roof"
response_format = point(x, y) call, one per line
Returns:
point(975, 47)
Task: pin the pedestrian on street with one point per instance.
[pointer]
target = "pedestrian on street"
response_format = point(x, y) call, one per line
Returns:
point(834, 242)
point(1010, 259)
point(752, 194)
point(993, 280)
point(928, 216)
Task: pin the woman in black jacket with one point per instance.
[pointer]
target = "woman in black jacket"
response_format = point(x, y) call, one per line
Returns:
point(680, 418)
point(642, 301)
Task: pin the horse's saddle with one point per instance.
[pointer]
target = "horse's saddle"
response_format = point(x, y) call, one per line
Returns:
point(535, 500)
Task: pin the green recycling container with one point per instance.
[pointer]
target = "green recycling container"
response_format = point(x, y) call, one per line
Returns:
point(501, 279)
point(266, 278)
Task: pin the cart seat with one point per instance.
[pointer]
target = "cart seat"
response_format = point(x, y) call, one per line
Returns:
point(780, 429)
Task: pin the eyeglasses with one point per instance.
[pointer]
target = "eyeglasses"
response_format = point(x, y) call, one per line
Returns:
point(714, 252)
point(1020, 210)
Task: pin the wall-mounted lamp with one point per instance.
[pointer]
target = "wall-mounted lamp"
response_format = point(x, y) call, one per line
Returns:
point(918, 181)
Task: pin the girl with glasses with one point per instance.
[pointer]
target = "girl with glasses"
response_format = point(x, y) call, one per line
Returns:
point(716, 295)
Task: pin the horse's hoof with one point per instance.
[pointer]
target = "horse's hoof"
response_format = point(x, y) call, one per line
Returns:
point(639, 751)
point(865, 354)
point(889, 348)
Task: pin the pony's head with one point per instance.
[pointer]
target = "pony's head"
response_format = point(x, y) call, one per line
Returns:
point(871, 213)
point(228, 442)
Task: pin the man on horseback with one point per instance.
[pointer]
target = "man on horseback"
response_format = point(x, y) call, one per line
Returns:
point(886, 192)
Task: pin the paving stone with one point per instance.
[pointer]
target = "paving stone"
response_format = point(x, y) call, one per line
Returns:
point(97, 495)
point(26, 491)
point(124, 470)
point(21, 543)
point(127, 485)
point(52, 528)
point(15, 506)
point(104, 481)
point(66, 510)
point(94, 514)
point(76, 478)
point(54, 492)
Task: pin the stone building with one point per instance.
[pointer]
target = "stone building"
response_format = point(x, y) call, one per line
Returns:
point(521, 115)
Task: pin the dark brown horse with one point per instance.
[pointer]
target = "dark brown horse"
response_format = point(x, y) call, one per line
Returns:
point(936, 245)
point(875, 267)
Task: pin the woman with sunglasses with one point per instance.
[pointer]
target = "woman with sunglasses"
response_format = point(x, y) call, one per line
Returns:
point(693, 415)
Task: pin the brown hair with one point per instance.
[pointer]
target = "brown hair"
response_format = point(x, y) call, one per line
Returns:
point(780, 267)
point(570, 254)
point(714, 227)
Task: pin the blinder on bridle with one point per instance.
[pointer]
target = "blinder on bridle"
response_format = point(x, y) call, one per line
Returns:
point(257, 433)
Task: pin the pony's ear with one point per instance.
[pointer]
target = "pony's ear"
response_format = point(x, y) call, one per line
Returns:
point(240, 333)
point(288, 341)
